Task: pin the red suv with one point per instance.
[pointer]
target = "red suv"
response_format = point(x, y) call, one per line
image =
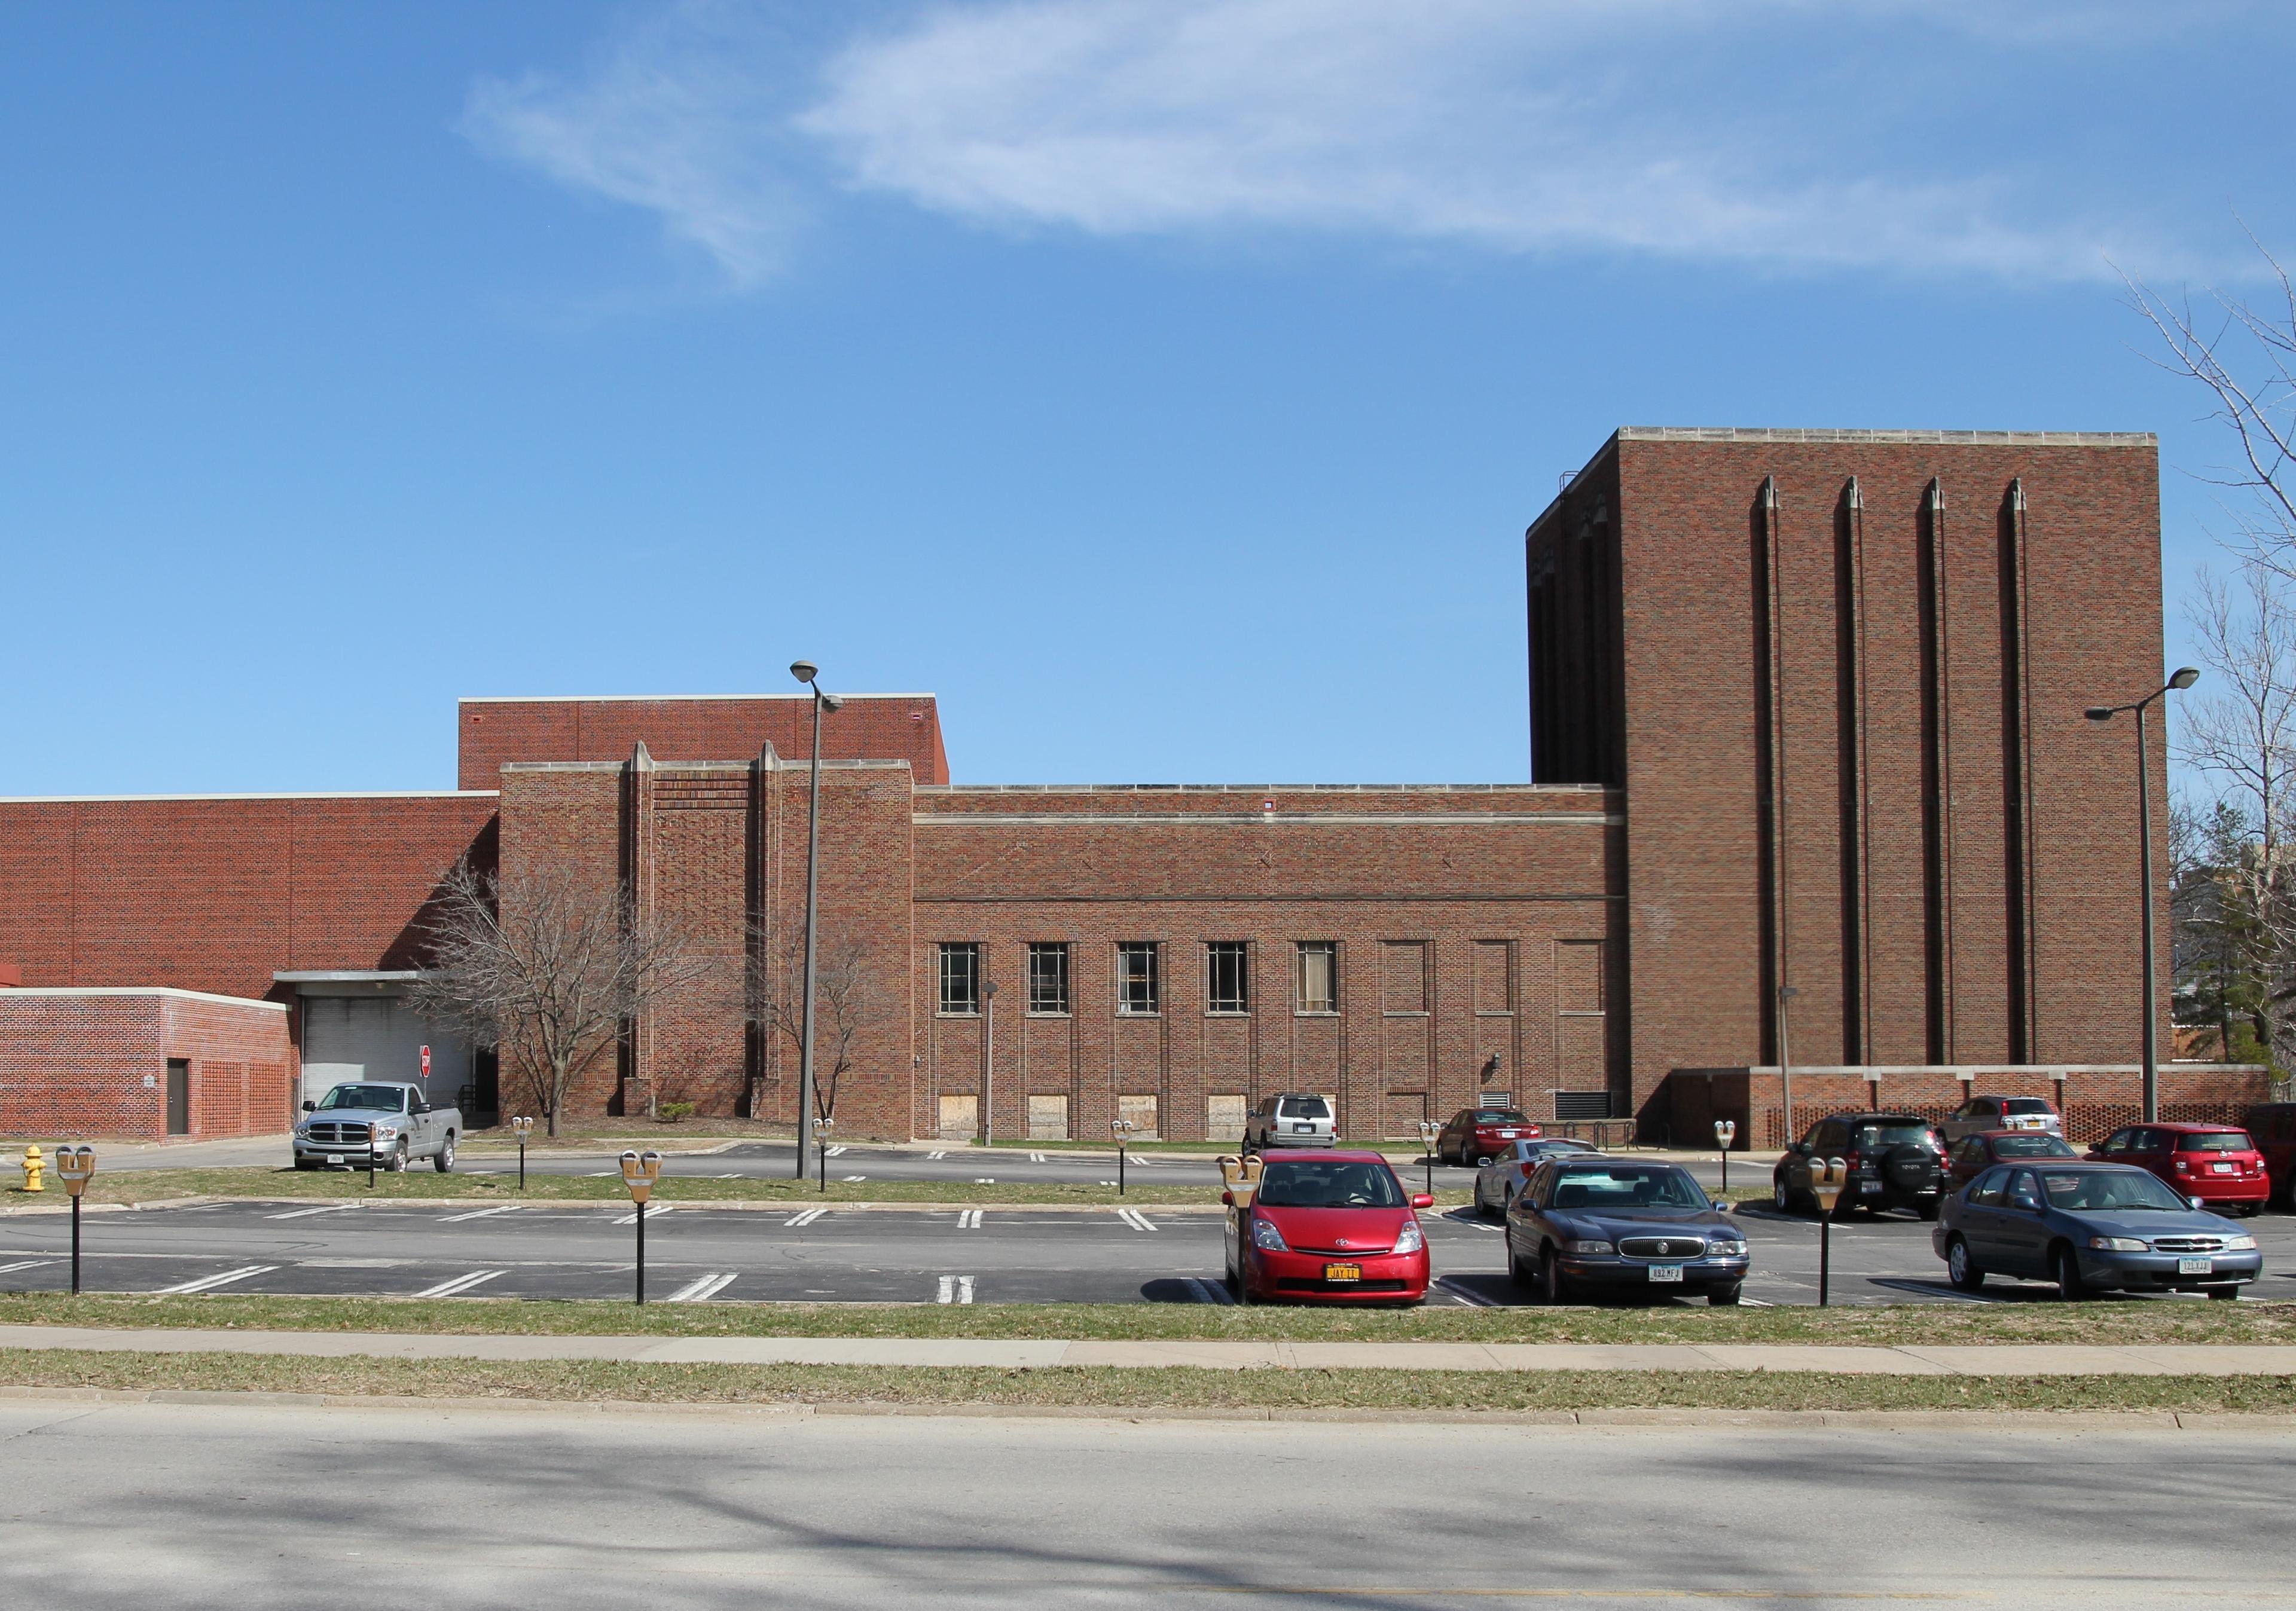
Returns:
point(1476, 1135)
point(2218, 1164)
point(1336, 1225)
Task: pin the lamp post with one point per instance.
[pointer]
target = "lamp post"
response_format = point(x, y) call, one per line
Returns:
point(2183, 677)
point(988, 1078)
point(809, 673)
point(1786, 993)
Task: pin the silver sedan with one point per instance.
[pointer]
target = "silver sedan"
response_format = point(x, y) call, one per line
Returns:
point(1497, 1181)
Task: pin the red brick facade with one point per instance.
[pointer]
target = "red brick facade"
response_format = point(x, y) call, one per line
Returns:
point(96, 1063)
point(1805, 713)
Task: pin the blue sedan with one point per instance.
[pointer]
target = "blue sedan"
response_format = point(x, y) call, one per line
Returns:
point(2089, 1228)
point(1643, 1228)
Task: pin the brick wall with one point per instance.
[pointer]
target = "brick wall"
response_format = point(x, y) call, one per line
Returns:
point(883, 727)
point(87, 1064)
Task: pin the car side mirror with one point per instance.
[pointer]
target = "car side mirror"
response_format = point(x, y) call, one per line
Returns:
point(310, 1107)
point(1421, 1199)
point(1726, 1207)
point(2192, 1202)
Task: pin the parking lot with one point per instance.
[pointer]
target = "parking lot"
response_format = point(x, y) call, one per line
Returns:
point(848, 1253)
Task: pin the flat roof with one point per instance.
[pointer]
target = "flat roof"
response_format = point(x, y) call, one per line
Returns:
point(339, 793)
point(660, 698)
point(1944, 439)
point(18, 993)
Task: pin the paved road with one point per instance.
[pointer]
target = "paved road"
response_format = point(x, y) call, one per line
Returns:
point(252, 1508)
point(850, 1254)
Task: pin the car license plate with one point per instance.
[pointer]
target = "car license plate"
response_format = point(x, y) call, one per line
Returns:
point(1354, 1272)
point(2196, 1266)
point(1665, 1272)
point(2220, 1168)
point(1869, 1185)
point(334, 1157)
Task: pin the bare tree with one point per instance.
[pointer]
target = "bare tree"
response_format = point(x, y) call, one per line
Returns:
point(546, 966)
point(845, 993)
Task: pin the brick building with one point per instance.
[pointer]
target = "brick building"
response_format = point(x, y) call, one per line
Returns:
point(1805, 719)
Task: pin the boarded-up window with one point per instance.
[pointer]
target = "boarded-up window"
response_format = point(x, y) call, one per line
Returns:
point(1224, 1117)
point(1048, 1118)
point(1578, 976)
point(1494, 976)
point(1140, 1111)
point(960, 1117)
point(1403, 974)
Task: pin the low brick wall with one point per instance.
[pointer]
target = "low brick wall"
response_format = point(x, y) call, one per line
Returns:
point(78, 1064)
point(2096, 1100)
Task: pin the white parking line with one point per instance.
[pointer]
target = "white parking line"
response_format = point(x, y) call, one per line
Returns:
point(836, 1151)
point(984, 1180)
point(654, 1211)
point(209, 1283)
point(1108, 1182)
point(300, 1213)
point(1475, 1300)
point(1135, 1219)
point(708, 1286)
point(969, 1220)
point(850, 1178)
point(30, 1264)
point(1036, 1157)
point(461, 1283)
point(954, 1290)
point(479, 1213)
point(599, 1175)
point(805, 1216)
point(936, 1154)
point(1208, 1292)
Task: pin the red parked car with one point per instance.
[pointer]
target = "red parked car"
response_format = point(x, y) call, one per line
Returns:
point(1477, 1134)
point(1974, 1155)
point(2218, 1164)
point(1336, 1226)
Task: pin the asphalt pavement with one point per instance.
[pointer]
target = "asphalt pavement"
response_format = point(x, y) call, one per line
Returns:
point(851, 1254)
point(255, 1507)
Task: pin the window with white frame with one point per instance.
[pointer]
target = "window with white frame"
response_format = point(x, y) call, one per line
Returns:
point(1136, 985)
point(1227, 976)
point(1048, 978)
point(960, 977)
point(1318, 968)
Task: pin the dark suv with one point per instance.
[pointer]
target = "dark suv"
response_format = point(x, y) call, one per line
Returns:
point(1897, 1160)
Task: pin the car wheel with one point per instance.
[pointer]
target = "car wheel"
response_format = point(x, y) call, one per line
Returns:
point(1555, 1287)
point(2226, 1293)
point(1780, 1199)
point(1520, 1273)
point(1724, 1297)
point(1960, 1270)
point(444, 1162)
point(2066, 1269)
point(398, 1158)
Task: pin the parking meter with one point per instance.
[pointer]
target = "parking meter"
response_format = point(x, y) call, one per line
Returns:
point(1122, 1129)
point(1726, 1131)
point(1827, 1176)
point(74, 1166)
point(525, 1127)
point(1428, 1131)
point(640, 1170)
point(821, 1129)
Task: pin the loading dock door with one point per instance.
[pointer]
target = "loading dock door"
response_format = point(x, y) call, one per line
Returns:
point(375, 1037)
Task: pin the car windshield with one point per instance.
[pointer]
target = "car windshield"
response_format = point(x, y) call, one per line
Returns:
point(2216, 1140)
point(2108, 1189)
point(2027, 1104)
point(1650, 1186)
point(1499, 1116)
point(1890, 1132)
point(387, 1098)
point(1328, 1183)
point(1306, 1107)
point(1556, 1148)
point(2032, 1144)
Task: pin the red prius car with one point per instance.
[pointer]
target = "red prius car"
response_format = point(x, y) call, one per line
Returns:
point(1334, 1228)
point(2218, 1164)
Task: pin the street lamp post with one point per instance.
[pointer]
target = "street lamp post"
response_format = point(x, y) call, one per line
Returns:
point(2183, 677)
point(1786, 993)
point(807, 673)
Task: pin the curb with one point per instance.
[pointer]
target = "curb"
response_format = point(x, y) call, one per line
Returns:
point(1589, 1420)
point(735, 1205)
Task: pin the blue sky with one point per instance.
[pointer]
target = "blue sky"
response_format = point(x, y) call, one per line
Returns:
point(1165, 383)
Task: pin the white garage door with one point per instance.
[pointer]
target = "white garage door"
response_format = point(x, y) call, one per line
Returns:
point(375, 1037)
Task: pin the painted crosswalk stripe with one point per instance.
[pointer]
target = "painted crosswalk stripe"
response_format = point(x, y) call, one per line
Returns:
point(461, 1283)
point(30, 1264)
point(954, 1290)
point(708, 1286)
point(936, 1154)
point(1135, 1219)
point(969, 1219)
point(209, 1283)
point(1208, 1292)
point(805, 1217)
point(1036, 1157)
point(654, 1211)
point(479, 1213)
point(300, 1213)
point(850, 1178)
point(834, 1152)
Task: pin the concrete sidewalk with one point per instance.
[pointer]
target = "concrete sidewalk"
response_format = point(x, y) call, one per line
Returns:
point(2004, 1360)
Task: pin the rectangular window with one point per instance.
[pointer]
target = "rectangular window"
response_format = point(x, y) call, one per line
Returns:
point(1136, 992)
point(1227, 977)
point(1319, 976)
point(1048, 978)
point(960, 977)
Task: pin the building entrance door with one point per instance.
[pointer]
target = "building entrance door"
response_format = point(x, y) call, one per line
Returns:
point(960, 1117)
point(180, 1097)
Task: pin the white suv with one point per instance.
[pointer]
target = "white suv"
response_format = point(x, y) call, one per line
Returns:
point(1983, 1113)
point(1297, 1119)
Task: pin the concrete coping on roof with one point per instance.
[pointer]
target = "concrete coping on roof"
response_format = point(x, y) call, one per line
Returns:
point(663, 699)
point(15, 992)
point(661, 765)
point(1961, 1071)
point(347, 794)
point(1263, 788)
point(1935, 438)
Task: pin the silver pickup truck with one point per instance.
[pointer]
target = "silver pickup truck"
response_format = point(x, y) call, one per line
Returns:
point(391, 1124)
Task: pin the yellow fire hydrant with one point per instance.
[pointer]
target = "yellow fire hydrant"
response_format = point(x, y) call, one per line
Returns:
point(33, 1166)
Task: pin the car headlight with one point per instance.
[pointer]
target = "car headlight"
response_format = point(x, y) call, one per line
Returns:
point(1725, 1250)
point(1264, 1234)
point(2117, 1244)
point(1413, 1239)
point(2240, 1244)
point(385, 1132)
point(1590, 1246)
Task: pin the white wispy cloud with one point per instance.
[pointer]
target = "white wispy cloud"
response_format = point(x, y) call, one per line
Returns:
point(1744, 132)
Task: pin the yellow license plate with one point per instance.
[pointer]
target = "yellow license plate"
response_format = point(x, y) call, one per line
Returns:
point(1343, 1272)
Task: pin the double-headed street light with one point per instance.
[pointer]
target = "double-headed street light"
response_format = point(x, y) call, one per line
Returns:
point(806, 673)
point(2182, 678)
